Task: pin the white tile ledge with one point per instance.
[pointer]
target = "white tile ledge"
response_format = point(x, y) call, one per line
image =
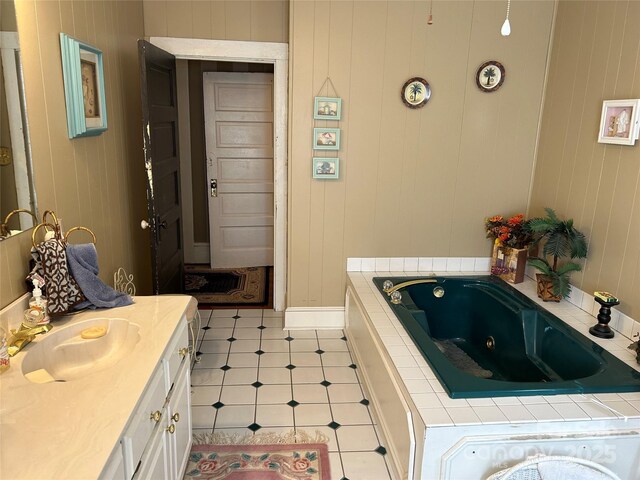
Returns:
point(414, 370)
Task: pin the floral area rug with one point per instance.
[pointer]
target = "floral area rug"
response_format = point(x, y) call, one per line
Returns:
point(293, 456)
point(227, 286)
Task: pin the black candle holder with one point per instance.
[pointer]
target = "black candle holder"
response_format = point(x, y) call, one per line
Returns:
point(602, 329)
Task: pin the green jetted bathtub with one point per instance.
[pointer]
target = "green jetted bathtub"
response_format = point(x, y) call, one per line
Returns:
point(483, 338)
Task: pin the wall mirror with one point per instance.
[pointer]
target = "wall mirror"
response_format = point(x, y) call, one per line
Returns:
point(17, 194)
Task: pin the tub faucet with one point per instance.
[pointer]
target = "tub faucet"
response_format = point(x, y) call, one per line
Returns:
point(395, 288)
point(23, 336)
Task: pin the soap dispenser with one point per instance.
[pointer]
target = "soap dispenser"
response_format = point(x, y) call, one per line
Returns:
point(38, 302)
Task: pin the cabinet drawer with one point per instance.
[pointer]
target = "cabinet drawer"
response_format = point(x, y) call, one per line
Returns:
point(142, 422)
point(176, 352)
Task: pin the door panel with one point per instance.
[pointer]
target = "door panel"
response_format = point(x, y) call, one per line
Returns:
point(162, 164)
point(239, 135)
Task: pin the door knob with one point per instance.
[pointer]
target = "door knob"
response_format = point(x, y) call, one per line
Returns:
point(163, 224)
point(144, 224)
point(214, 187)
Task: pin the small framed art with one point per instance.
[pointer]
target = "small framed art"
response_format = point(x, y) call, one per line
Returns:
point(326, 168)
point(327, 108)
point(84, 93)
point(326, 139)
point(619, 122)
point(490, 76)
point(415, 92)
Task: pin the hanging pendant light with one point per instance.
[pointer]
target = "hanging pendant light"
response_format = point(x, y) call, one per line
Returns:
point(506, 26)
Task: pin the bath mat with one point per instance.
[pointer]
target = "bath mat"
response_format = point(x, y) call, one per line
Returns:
point(290, 456)
point(227, 286)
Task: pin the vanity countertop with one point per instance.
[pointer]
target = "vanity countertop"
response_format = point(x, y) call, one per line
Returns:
point(69, 429)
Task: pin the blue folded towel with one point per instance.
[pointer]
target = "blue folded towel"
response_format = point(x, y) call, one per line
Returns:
point(83, 262)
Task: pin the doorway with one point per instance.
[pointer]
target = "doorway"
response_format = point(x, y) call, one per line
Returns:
point(275, 55)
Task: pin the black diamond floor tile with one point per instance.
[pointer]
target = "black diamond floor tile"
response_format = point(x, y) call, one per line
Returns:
point(290, 366)
point(325, 383)
point(262, 327)
point(231, 339)
point(353, 365)
point(225, 368)
point(334, 425)
point(381, 450)
point(364, 401)
point(218, 405)
point(236, 317)
point(288, 339)
point(319, 351)
point(254, 427)
point(259, 352)
point(343, 338)
point(206, 328)
point(257, 384)
point(293, 403)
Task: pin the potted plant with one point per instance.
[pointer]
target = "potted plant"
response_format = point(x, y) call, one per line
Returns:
point(562, 240)
point(511, 239)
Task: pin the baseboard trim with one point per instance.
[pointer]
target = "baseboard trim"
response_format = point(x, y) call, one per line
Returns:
point(314, 318)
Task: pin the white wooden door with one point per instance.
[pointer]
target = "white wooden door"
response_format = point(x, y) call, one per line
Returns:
point(238, 110)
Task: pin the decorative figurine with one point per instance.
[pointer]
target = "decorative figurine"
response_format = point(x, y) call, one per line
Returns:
point(606, 301)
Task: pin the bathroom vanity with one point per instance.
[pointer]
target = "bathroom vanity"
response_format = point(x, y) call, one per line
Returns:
point(100, 418)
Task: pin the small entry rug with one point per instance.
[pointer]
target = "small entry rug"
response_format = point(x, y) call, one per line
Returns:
point(293, 456)
point(227, 286)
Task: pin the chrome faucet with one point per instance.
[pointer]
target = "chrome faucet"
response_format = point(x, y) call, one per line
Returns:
point(23, 336)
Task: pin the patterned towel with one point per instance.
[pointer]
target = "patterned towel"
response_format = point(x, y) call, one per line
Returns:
point(63, 292)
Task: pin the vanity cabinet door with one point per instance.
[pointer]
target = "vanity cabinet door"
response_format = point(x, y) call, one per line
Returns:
point(155, 463)
point(114, 470)
point(149, 414)
point(176, 353)
point(180, 416)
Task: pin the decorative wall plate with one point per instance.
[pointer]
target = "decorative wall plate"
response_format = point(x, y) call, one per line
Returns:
point(490, 76)
point(416, 92)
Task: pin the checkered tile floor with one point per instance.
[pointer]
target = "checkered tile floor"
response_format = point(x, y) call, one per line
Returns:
point(255, 377)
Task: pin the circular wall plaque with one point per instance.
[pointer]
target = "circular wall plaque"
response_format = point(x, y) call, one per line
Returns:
point(490, 76)
point(416, 92)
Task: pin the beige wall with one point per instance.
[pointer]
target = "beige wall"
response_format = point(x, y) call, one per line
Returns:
point(596, 53)
point(256, 20)
point(412, 182)
point(97, 182)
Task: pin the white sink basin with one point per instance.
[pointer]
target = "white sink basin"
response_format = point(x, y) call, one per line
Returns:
point(63, 355)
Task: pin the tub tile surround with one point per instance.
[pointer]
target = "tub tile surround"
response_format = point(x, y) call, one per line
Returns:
point(472, 438)
point(415, 266)
point(440, 410)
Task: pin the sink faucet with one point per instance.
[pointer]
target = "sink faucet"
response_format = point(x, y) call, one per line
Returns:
point(23, 336)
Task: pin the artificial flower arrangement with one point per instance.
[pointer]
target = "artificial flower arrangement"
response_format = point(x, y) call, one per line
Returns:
point(511, 239)
point(513, 233)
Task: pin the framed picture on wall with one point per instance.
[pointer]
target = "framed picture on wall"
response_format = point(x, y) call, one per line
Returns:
point(84, 93)
point(490, 76)
point(619, 122)
point(326, 139)
point(326, 168)
point(327, 108)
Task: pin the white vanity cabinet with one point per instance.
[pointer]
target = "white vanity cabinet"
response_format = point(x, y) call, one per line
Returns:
point(157, 440)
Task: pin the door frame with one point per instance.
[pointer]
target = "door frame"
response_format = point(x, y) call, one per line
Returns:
point(276, 54)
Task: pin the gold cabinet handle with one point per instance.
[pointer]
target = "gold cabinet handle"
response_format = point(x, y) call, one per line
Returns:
point(183, 351)
point(156, 416)
point(176, 417)
point(171, 428)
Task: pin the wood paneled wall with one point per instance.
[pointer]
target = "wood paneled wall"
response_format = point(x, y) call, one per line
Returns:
point(97, 182)
point(255, 20)
point(412, 182)
point(596, 57)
